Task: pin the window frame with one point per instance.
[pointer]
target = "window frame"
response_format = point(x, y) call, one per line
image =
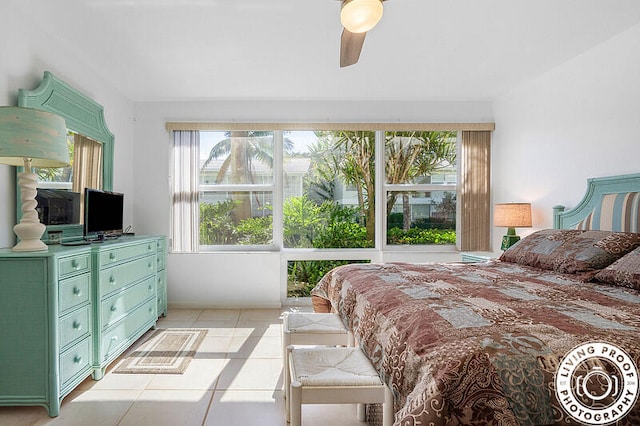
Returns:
point(406, 187)
point(276, 190)
point(380, 245)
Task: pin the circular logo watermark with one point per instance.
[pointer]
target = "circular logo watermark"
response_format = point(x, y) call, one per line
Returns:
point(597, 383)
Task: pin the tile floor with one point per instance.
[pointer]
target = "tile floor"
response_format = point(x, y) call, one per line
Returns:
point(234, 379)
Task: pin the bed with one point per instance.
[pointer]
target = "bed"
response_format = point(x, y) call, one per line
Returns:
point(482, 343)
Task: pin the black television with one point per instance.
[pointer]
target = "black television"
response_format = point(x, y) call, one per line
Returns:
point(103, 214)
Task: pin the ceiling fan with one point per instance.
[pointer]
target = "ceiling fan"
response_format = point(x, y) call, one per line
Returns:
point(357, 17)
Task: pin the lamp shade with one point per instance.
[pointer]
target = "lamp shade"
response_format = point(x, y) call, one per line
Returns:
point(512, 215)
point(359, 16)
point(31, 133)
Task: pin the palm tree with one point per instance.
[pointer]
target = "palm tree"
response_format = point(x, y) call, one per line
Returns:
point(349, 156)
point(408, 155)
point(242, 149)
point(411, 155)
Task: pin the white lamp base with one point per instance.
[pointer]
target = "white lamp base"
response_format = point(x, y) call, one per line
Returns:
point(29, 230)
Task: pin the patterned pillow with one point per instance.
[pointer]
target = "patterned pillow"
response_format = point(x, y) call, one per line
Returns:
point(624, 272)
point(571, 251)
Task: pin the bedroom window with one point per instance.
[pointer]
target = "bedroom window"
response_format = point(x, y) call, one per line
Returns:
point(421, 187)
point(303, 191)
point(329, 187)
point(236, 185)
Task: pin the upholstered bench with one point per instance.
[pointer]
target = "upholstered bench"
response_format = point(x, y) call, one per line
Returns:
point(332, 375)
point(307, 328)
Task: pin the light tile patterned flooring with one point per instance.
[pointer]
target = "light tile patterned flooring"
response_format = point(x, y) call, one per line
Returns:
point(234, 379)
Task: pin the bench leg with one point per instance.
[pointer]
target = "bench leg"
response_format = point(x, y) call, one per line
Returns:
point(362, 412)
point(287, 379)
point(295, 404)
point(388, 416)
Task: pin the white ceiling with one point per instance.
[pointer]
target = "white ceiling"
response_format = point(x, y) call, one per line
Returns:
point(289, 49)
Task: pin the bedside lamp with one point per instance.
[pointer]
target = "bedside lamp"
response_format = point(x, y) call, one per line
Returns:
point(31, 137)
point(511, 216)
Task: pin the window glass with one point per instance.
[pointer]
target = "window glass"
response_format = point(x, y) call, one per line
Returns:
point(230, 160)
point(236, 218)
point(420, 157)
point(423, 164)
point(303, 275)
point(329, 189)
point(237, 157)
point(421, 217)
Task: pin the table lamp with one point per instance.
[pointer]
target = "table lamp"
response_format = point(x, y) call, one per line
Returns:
point(511, 216)
point(31, 137)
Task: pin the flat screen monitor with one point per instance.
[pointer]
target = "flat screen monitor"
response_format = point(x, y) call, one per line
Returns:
point(103, 213)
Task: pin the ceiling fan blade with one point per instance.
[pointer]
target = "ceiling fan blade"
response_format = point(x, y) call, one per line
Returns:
point(350, 47)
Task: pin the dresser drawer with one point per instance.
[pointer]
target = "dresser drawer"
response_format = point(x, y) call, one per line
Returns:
point(71, 265)
point(142, 318)
point(161, 245)
point(113, 279)
point(73, 292)
point(74, 326)
point(115, 255)
point(74, 360)
point(160, 259)
point(160, 298)
point(118, 305)
point(161, 284)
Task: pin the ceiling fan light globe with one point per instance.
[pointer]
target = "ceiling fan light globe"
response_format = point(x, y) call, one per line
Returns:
point(359, 16)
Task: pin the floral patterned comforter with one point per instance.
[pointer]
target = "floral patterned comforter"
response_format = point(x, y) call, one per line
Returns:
point(477, 343)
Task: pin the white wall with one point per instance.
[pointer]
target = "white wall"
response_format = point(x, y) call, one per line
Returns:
point(241, 279)
point(577, 121)
point(26, 51)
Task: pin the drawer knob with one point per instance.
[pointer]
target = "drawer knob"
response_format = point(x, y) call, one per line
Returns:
point(150, 265)
point(112, 256)
point(77, 325)
point(150, 287)
point(112, 280)
point(74, 264)
point(77, 359)
point(113, 308)
point(77, 291)
point(114, 338)
point(149, 247)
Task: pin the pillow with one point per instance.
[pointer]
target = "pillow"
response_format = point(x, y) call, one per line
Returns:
point(571, 251)
point(624, 272)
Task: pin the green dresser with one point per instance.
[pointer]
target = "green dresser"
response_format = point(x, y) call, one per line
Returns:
point(161, 283)
point(69, 312)
point(46, 333)
point(125, 302)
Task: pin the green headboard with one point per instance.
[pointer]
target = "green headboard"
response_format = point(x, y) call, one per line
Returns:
point(610, 203)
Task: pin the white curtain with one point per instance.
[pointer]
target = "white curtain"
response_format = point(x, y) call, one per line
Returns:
point(185, 207)
point(87, 166)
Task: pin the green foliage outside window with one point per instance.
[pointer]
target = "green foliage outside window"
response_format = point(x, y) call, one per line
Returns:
point(216, 223)
point(316, 220)
point(303, 275)
point(309, 225)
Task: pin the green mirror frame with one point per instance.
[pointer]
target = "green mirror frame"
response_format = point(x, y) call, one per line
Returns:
point(83, 116)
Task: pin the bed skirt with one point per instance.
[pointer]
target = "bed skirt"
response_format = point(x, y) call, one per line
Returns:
point(320, 305)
